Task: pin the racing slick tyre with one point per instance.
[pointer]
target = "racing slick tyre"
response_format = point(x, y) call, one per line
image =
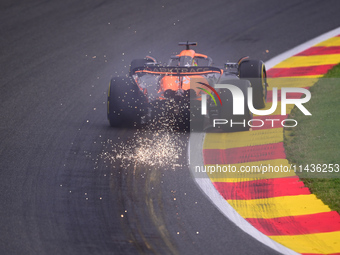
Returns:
point(126, 104)
point(196, 118)
point(138, 63)
point(234, 123)
point(255, 72)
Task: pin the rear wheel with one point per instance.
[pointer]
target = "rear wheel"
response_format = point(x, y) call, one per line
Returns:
point(196, 118)
point(235, 122)
point(255, 72)
point(126, 104)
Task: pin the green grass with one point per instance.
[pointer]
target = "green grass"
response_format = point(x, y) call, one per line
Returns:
point(316, 138)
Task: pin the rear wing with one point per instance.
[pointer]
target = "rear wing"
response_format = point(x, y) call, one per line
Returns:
point(187, 44)
point(177, 70)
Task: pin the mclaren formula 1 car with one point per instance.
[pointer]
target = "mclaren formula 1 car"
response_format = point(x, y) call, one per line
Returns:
point(183, 93)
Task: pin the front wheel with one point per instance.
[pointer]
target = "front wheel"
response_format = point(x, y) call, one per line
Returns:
point(140, 62)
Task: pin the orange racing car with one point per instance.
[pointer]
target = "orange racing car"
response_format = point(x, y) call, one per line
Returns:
point(153, 92)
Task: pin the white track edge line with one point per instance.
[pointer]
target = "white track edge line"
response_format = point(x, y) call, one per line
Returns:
point(304, 46)
point(204, 183)
point(208, 188)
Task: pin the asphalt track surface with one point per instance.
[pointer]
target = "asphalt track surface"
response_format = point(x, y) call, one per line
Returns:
point(57, 58)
